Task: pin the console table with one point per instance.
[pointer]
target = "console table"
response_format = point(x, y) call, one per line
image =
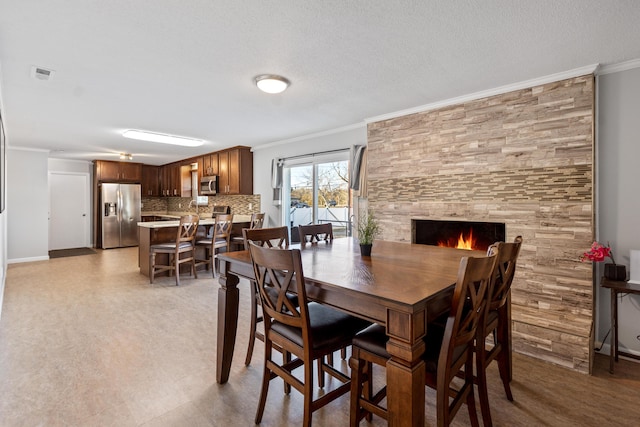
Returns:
point(617, 287)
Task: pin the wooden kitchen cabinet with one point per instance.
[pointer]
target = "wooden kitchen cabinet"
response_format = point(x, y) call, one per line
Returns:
point(150, 181)
point(175, 180)
point(209, 164)
point(235, 171)
point(110, 171)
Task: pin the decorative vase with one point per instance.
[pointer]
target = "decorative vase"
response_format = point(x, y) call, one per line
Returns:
point(615, 271)
point(365, 250)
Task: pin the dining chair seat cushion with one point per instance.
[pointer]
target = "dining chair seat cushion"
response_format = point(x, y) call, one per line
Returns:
point(330, 328)
point(208, 242)
point(374, 340)
point(170, 246)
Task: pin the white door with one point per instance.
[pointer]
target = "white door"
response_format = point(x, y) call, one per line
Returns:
point(68, 211)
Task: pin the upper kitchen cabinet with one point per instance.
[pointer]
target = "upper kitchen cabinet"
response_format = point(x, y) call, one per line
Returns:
point(150, 181)
point(235, 171)
point(175, 180)
point(209, 165)
point(110, 171)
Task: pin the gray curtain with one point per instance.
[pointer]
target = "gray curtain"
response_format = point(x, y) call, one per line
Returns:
point(357, 180)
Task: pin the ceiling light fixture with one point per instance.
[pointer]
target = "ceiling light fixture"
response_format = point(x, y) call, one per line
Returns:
point(162, 138)
point(126, 156)
point(270, 83)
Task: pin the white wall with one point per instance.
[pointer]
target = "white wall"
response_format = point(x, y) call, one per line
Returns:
point(27, 205)
point(618, 210)
point(352, 135)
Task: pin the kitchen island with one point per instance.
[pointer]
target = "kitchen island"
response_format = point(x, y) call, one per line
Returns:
point(154, 232)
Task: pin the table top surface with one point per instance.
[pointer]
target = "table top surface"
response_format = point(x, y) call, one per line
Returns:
point(401, 272)
point(621, 286)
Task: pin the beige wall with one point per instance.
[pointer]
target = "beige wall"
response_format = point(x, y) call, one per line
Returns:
point(524, 158)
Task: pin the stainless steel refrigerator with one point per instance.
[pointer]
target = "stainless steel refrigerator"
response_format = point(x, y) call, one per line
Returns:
point(120, 204)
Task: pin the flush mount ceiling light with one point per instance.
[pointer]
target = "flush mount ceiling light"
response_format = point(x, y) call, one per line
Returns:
point(162, 138)
point(270, 83)
point(126, 156)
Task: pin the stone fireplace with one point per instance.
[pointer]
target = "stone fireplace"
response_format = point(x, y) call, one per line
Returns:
point(523, 159)
point(472, 235)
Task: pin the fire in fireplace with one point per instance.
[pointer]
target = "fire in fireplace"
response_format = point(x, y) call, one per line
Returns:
point(457, 234)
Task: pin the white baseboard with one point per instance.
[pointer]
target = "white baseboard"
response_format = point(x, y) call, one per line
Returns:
point(19, 260)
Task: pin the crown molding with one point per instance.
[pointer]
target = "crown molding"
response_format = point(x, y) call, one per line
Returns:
point(310, 136)
point(621, 66)
point(589, 69)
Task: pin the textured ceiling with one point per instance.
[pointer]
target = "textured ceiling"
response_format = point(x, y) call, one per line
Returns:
point(187, 67)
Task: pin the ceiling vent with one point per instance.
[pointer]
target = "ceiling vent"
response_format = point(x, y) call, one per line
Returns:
point(41, 73)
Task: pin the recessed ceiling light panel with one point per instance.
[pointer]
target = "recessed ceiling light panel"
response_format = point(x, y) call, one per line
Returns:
point(270, 83)
point(162, 138)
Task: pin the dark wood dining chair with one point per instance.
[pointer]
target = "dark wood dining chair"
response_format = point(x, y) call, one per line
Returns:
point(497, 322)
point(449, 349)
point(277, 237)
point(309, 331)
point(256, 221)
point(219, 239)
point(314, 233)
point(179, 252)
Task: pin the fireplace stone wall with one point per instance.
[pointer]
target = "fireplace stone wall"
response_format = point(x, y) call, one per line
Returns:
point(524, 158)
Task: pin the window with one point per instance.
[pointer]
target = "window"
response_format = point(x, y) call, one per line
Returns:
point(316, 191)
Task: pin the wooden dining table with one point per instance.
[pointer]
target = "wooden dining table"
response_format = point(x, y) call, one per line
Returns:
point(401, 286)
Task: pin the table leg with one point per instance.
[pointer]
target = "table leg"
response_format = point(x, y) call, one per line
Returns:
point(228, 300)
point(508, 325)
point(614, 330)
point(615, 322)
point(406, 369)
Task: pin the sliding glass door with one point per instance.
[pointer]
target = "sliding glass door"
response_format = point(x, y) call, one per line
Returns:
point(316, 193)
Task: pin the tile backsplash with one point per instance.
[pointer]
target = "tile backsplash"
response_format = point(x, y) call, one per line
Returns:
point(240, 205)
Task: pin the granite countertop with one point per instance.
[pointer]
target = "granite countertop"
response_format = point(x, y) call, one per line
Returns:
point(205, 219)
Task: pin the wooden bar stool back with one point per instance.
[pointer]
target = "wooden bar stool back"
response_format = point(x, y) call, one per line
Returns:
point(220, 239)
point(179, 252)
point(256, 222)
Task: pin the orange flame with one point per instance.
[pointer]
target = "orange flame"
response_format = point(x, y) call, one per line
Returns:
point(463, 242)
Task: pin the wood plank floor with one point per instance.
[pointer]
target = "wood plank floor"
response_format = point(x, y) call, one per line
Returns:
point(87, 341)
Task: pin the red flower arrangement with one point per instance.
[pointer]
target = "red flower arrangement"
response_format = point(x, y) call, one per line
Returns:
point(597, 253)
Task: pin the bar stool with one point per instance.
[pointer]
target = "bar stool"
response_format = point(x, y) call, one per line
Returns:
point(176, 251)
point(219, 239)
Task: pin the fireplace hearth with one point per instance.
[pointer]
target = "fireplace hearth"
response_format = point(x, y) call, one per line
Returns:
point(471, 235)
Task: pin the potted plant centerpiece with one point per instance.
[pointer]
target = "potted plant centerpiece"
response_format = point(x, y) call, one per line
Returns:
point(368, 230)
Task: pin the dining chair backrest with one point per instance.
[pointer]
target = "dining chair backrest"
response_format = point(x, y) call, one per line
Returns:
point(504, 272)
point(467, 307)
point(314, 233)
point(187, 229)
point(270, 237)
point(278, 272)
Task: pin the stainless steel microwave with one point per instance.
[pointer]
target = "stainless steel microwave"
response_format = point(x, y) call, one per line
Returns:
point(208, 185)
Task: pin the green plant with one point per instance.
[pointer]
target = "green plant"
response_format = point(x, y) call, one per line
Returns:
point(368, 228)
